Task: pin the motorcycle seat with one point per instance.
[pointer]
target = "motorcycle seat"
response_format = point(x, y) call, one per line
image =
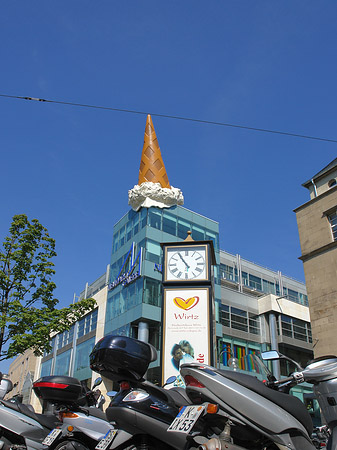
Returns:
point(291, 404)
point(47, 421)
point(175, 395)
point(179, 396)
point(96, 412)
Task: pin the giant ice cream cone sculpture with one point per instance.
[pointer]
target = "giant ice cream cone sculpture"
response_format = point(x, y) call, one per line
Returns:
point(153, 187)
point(151, 164)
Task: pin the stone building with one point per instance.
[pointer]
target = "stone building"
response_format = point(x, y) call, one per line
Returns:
point(317, 227)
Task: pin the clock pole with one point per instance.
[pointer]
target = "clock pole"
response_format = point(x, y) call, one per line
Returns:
point(188, 326)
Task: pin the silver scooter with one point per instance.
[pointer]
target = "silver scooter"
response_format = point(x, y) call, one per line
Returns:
point(254, 416)
point(82, 425)
point(20, 426)
point(322, 374)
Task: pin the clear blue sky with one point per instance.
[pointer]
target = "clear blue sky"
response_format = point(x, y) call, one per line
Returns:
point(265, 64)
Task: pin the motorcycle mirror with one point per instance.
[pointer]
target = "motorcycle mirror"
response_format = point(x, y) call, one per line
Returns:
point(170, 380)
point(97, 382)
point(111, 393)
point(271, 355)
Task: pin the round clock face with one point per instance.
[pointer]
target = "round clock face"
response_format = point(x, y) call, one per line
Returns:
point(186, 264)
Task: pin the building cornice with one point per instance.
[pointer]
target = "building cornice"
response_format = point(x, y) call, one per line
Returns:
point(316, 199)
point(318, 251)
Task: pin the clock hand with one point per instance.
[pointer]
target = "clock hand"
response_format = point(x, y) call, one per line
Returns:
point(183, 261)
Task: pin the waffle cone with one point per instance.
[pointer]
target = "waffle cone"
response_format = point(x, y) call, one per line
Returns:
point(151, 164)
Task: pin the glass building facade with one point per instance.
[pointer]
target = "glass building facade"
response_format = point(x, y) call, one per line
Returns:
point(136, 250)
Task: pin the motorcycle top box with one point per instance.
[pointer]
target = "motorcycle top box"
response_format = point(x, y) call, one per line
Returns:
point(57, 388)
point(121, 357)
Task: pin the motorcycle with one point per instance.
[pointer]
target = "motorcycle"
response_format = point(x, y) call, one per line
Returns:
point(83, 426)
point(322, 374)
point(256, 415)
point(20, 426)
point(154, 417)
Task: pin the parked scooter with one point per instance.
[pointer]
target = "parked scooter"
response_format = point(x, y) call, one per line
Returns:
point(82, 425)
point(20, 426)
point(146, 411)
point(255, 416)
point(322, 374)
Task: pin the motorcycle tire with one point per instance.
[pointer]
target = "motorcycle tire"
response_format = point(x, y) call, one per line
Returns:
point(71, 445)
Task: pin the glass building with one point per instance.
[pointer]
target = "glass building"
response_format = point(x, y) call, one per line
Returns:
point(255, 308)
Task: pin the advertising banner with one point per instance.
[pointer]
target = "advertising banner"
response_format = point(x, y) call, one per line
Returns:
point(186, 329)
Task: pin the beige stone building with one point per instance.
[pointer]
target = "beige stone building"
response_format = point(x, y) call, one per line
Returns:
point(21, 373)
point(317, 227)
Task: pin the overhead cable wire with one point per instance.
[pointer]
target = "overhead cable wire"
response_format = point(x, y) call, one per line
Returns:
point(168, 116)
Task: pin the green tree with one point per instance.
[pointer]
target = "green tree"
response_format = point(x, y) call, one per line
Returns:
point(28, 313)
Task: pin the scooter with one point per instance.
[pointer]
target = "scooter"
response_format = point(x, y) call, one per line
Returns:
point(20, 426)
point(322, 374)
point(155, 418)
point(254, 416)
point(82, 425)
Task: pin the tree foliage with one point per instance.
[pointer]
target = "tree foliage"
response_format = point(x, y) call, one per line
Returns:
point(28, 313)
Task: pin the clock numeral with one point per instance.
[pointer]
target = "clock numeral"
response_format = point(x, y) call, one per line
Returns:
point(179, 274)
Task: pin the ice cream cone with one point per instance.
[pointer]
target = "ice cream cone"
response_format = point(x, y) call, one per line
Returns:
point(151, 164)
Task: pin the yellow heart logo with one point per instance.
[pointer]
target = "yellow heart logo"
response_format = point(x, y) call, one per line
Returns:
point(186, 304)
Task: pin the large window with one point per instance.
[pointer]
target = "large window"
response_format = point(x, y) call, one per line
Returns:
point(333, 222)
point(239, 319)
point(152, 292)
point(46, 368)
point(82, 358)
point(295, 328)
point(124, 299)
point(62, 363)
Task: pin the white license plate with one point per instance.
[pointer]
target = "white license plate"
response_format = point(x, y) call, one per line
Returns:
point(186, 419)
point(106, 441)
point(51, 436)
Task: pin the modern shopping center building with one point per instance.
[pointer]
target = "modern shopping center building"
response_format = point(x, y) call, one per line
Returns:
point(255, 308)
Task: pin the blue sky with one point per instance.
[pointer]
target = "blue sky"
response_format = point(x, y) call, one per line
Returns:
point(265, 64)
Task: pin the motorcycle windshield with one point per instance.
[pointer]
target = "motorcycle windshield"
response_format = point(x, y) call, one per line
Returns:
point(250, 364)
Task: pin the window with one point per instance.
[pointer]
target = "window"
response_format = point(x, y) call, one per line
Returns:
point(81, 356)
point(296, 329)
point(268, 287)
point(154, 219)
point(65, 338)
point(183, 228)
point(332, 183)
point(62, 364)
point(87, 324)
point(198, 233)
point(169, 223)
point(46, 368)
point(255, 282)
point(228, 272)
point(153, 252)
point(239, 319)
point(333, 222)
point(224, 316)
point(152, 292)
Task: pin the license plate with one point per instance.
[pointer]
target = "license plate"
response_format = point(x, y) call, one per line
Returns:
point(186, 419)
point(106, 441)
point(51, 436)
